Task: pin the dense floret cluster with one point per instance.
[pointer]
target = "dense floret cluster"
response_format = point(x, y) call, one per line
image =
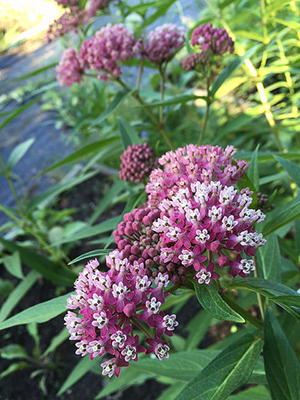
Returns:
point(69, 69)
point(195, 222)
point(138, 161)
point(110, 45)
point(162, 43)
point(194, 60)
point(110, 304)
point(216, 40)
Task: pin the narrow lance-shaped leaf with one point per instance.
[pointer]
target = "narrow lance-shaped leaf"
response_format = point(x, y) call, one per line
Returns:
point(253, 170)
point(282, 217)
point(270, 258)
point(39, 313)
point(292, 169)
point(231, 67)
point(13, 265)
point(82, 153)
point(129, 135)
point(212, 302)
point(226, 372)
point(114, 105)
point(91, 254)
point(281, 364)
point(18, 152)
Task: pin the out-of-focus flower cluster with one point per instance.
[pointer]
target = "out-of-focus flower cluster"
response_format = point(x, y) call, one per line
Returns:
point(195, 222)
point(74, 16)
point(110, 305)
point(163, 42)
point(110, 45)
point(207, 41)
point(69, 69)
point(138, 161)
point(113, 44)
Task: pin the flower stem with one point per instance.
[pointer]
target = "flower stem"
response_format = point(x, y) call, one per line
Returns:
point(162, 94)
point(208, 103)
point(151, 115)
point(139, 78)
point(140, 327)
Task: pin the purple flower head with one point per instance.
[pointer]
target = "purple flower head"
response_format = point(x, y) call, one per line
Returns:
point(163, 42)
point(138, 161)
point(111, 45)
point(216, 40)
point(69, 69)
point(110, 304)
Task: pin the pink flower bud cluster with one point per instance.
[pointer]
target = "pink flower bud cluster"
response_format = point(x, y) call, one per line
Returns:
point(69, 21)
point(110, 45)
point(138, 161)
point(69, 69)
point(74, 16)
point(191, 164)
point(197, 59)
point(163, 42)
point(110, 304)
point(216, 40)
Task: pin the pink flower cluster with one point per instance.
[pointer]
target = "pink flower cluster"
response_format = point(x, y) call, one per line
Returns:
point(69, 69)
point(162, 43)
point(110, 304)
point(138, 161)
point(74, 17)
point(110, 45)
point(192, 61)
point(216, 40)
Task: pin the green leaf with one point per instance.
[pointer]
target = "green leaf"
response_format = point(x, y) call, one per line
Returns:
point(180, 366)
point(281, 218)
point(17, 294)
point(91, 254)
point(229, 370)
point(212, 302)
point(292, 169)
point(198, 327)
point(31, 74)
point(18, 112)
point(39, 313)
point(175, 100)
point(82, 368)
point(13, 368)
point(50, 270)
point(231, 67)
point(254, 393)
point(127, 378)
point(55, 190)
point(13, 351)
point(18, 152)
point(82, 153)
point(13, 265)
point(253, 169)
point(280, 294)
point(107, 200)
point(105, 226)
point(270, 257)
point(129, 135)
point(56, 341)
point(266, 156)
point(114, 105)
point(172, 392)
point(281, 364)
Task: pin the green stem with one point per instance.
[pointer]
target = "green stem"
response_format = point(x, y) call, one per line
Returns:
point(208, 103)
point(151, 115)
point(162, 95)
point(259, 299)
point(140, 327)
point(174, 288)
point(247, 316)
point(139, 78)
